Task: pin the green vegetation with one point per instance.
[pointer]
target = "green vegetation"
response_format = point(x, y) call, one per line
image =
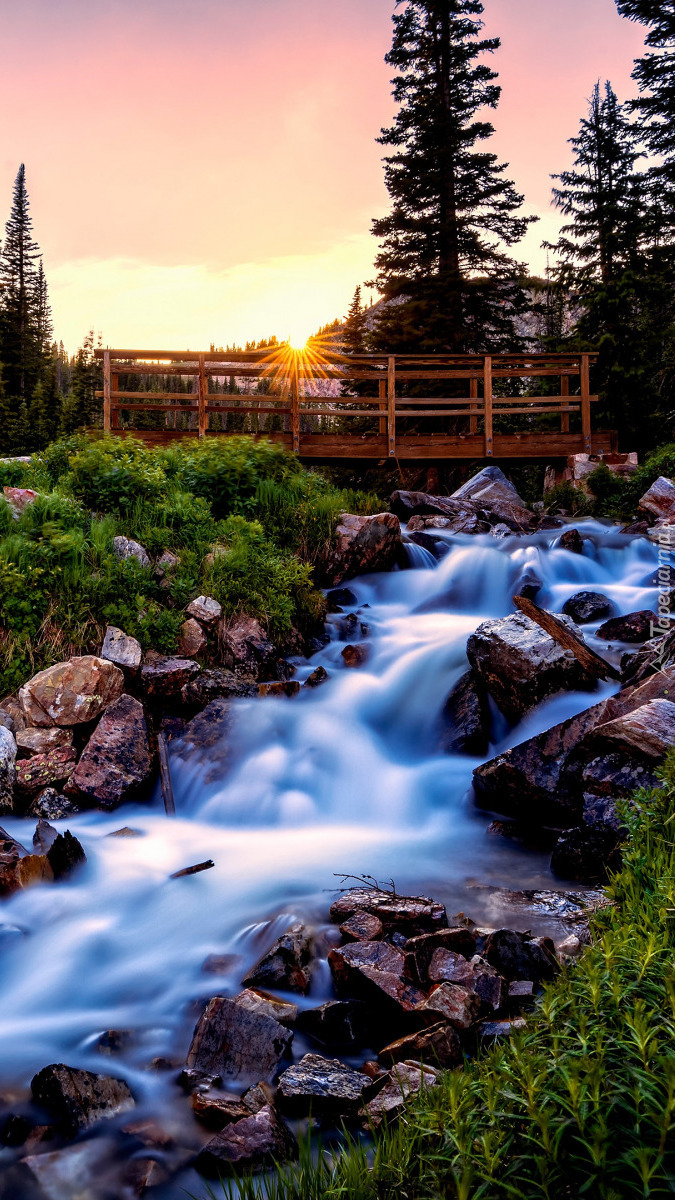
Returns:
point(582, 1103)
point(247, 524)
point(612, 495)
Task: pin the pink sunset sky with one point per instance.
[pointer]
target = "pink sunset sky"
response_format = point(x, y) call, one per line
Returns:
point(206, 171)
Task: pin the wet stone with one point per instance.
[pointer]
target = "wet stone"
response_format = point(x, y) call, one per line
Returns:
point(516, 956)
point(374, 971)
point(503, 1028)
point(335, 1023)
point(280, 687)
point(287, 964)
point(258, 1142)
point(571, 540)
point(452, 1003)
point(323, 1086)
point(412, 913)
point(587, 606)
point(269, 1006)
point(319, 675)
point(232, 1043)
point(259, 1096)
point(355, 656)
point(362, 927)
point(466, 718)
point(459, 940)
point(340, 598)
point(406, 1079)
point(215, 1112)
point(586, 854)
point(438, 1044)
point(78, 1099)
point(636, 627)
point(65, 855)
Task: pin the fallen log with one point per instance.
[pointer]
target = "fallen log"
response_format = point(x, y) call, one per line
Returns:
point(165, 776)
point(195, 870)
point(593, 663)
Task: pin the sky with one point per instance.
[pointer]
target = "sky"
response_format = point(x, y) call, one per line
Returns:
point(206, 171)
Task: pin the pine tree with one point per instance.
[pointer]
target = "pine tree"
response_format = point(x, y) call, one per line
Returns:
point(18, 283)
point(354, 330)
point(453, 210)
point(81, 409)
point(655, 76)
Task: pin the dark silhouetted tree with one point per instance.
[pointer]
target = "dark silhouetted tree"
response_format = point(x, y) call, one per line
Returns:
point(19, 278)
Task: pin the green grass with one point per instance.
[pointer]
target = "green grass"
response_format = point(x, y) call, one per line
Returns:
point(581, 1104)
point(270, 522)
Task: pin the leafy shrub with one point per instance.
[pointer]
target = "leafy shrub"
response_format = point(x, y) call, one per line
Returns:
point(226, 471)
point(115, 475)
point(13, 474)
point(52, 464)
point(565, 497)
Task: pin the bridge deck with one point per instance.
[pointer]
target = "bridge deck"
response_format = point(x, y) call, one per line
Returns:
point(307, 399)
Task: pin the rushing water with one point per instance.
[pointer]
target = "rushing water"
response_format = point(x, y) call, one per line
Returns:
point(345, 778)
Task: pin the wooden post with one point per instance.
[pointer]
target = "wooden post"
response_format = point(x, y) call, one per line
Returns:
point(203, 388)
point(106, 392)
point(586, 403)
point(115, 402)
point(382, 385)
point(487, 391)
point(564, 392)
point(391, 405)
point(473, 419)
point(295, 403)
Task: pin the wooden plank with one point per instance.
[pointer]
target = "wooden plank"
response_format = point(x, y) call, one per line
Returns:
point(565, 391)
point(585, 403)
point(133, 407)
point(203, 391)
point(382, 405)
point(487, 404)
point(475, 408)
point(242, 408)
point(106, 393)
point(114, 408)
point(592, 663)
point(391, 406)
point(295, 407)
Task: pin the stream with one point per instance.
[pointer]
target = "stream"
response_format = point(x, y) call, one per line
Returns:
point(345, 778)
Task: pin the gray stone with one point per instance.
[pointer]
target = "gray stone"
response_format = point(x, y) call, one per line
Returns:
point(206, 610)
point(78, 1099)
point(125, 549)
point(216, 685)
point(584, 607)
point(122, 650)
point(234, 1044)
point(323, 1086)
point(287, 964)
point(406, 1079)
point(7, 770)
point(260, 1142)
point(50, 805)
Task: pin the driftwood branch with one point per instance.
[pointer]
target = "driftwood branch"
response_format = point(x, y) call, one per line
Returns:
point(593, 663)
point(165, 776)
point(195, 870)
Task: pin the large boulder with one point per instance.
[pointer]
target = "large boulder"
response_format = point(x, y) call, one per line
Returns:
point(323, 1086)
point(7, 770)
point(246, 649)
point(215, 684)
point(407, 914)
point(163, 677)
point(234, 1044)
point(362, 545)
point(257, 1143)
point(78, 1099)
point(648, 731)
point(659, 500)
point(466, 717)
point(521, 665)
point(584, 607)
point(636, 627)
point(489, 485)
point(71, 693)
point(116, 762)
point(122, 650)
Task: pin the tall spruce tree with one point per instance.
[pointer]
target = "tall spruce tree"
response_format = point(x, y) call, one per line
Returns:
point(443, 256)
point(19, 334)
point(655, 75)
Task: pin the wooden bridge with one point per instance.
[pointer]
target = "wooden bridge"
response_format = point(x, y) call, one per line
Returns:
point(297, 398)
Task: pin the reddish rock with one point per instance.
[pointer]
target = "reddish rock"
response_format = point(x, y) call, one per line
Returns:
point(42, 741)
point(335, 1023)
point(71, 693)
point(281, 687)
point(246, 650)
point(19, 498)
point(116, 762)
point(206, 610)
point(192, 641)
point(78, 1099)
point(636, 627)
point(124, 651)
point(362, 927)
point(459, 940)
point(218, 1111)
point(374, 971)
point(43, 771)
point(319, 675)
point(287, 965)
point(448, 967)
point(648, 731)
point(323, 1086)
point(163, 678)
point(438, 1044)
point(356, 656)
point(257, 1143)
point(451, 1003)
point(362, 545)
point(270, 1006)
point(659, 500)
point(572, 540)
point(413, 913)
point(406, 1079)
point(17, 873)
point(7, 770)
point(232, 1043)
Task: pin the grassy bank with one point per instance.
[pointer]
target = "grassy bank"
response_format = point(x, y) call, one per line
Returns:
point(248, 525)
point(580, 1104)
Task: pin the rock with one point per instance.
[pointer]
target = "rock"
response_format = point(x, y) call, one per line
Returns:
point(659, 500)
point(459, 940)
point(340, 598)
point(281, 687)
point(113, 1042)
point(452, 1003)
point(570, 947)
point(374, 971)
point(116, 762)
point(44, 837)
point(448, 967)
point(7, 770)
point(125, 549)
point(649, 660)
point(413, 913)
point(466, 718)
point(648, 731)
point(214, 685)
point(362, 545)
point(362, 927)
point(208, 733)
point(356, 656)
point(42, 771)
point(232, 1043)
point(259, 1096)
point(319, 675)
point(521, 665)
point(488, 486)
point(218, 1111)
point(246, 650)
point(206, 610)
point(141, 1174)
point(571, 540)
point(586, 854)
point(220, 964)
point(78, 1099)
point(73, 1173)
point(529, 585)
point(636, 627)
point(323, 1086)
point(192, 639)
point(335, 1023)
point(122, 650)
point(65, 855)
point(270, 1006)
point(41, 741)
point(7, 721)
point(50, 805)
point(166, 565)
point(405, 1080)
point(23, 872)
point(257, 1143)
point(490, 987)
point(438, 1044)
point(163, 677)
point(601, 810)
point(583, 607)
point(71, 693)
point(503, 1028)
point(11, 708)
point(516, 956)
point(287, 965)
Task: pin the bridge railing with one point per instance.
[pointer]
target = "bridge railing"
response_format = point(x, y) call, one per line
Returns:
point(298, 390)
